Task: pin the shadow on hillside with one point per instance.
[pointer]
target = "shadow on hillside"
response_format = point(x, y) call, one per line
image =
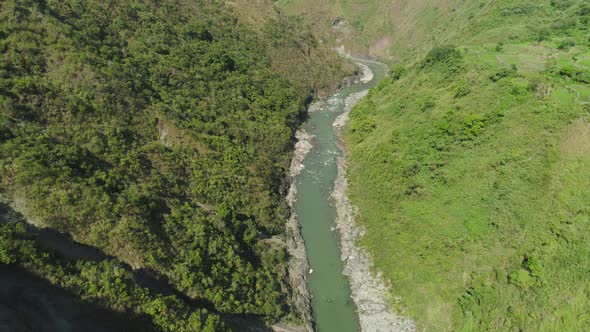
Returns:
point(69, 249)
point(57, 309)
point(30, 303)
point(246, 323)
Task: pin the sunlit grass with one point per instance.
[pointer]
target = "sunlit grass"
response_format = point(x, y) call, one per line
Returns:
point(475, 203)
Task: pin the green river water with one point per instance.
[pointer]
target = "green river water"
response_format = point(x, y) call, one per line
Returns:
point(332, 305)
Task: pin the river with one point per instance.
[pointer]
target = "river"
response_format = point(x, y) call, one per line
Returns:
point(332, 305)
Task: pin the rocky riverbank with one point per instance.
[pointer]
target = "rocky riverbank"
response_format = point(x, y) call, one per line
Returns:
point(369, 291)
point(298, 267)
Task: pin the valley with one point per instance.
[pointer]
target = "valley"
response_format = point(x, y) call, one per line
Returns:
point(295, 165)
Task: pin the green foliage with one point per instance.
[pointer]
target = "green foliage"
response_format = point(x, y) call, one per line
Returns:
point(473, 125)
point(575, 73)
point(562, 4)
point(462, 89)
point(517, 10)
point(443, 54)
point(533, 265)
point(521, 278)
point(397, 72)
point(7, 247)
point(363, 126)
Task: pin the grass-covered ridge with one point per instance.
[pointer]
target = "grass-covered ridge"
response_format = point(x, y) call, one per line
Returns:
point(159, 132)
point(470, 166)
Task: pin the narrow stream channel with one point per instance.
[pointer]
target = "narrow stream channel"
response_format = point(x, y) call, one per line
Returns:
point(332, 305)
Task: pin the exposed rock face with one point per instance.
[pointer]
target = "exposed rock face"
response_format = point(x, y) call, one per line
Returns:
point(325, 93)
point(342, 29)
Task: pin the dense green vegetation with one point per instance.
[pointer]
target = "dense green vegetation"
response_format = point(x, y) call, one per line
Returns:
point(470, 163)
point(158, 132)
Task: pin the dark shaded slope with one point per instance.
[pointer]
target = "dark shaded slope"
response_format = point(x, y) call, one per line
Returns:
point(30, 303)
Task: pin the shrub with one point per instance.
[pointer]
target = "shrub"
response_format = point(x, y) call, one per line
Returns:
point(427, 104)
point(532, 264)
point(397, 72)
point(584, 10)
point(385, 82)
point(567, 70)
point(543, 34)
point(514, 11)
point(462, 90)
point(540, 88)
point(565, 23)
point(561, 4)
point(503, 73)
point(361, 126)
point(473, 125)
point(582, 76)
point(521, 278)
point(448, 55)
point(566, 44)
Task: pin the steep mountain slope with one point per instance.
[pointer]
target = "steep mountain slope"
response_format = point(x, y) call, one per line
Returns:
point(470, 163)
point(160, 134)
point(404, 30)
point(295, 51)
point(386, 29)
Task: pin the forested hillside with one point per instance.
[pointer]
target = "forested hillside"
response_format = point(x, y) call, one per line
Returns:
point(470, 164)
point(159, 133)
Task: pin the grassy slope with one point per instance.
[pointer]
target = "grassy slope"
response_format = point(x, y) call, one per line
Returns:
point(471, 175)
point(471, 172)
